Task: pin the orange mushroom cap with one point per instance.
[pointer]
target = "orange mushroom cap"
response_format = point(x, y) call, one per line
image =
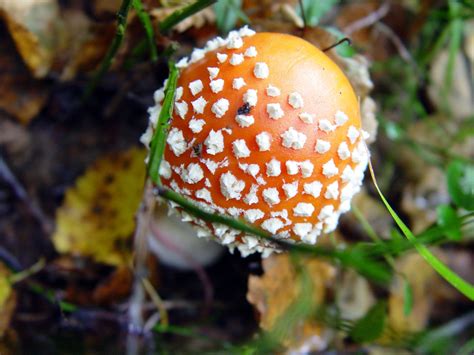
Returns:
point(266, 127)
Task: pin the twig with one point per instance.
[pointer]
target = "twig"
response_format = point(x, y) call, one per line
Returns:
point(397, 42)
point(183, 13)
point(341, 41)
point(24, 274)
point(114, 47)
point(20, 192)
point(157, 301)
point(368, 20)
point(135, 310)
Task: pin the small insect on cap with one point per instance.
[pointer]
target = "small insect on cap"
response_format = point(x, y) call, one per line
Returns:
point(267, 128)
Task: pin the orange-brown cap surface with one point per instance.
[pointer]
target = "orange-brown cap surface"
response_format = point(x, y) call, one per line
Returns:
point(266, 127)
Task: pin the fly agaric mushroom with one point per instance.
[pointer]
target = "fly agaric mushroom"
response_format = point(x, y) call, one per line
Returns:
point(267, 128)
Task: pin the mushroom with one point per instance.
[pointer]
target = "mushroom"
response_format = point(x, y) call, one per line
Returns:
point(267, 128)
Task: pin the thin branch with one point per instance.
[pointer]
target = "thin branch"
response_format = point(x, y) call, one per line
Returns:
point(368, 20)
point(338, 43)
point(303, 14)
point(20, 192)
point(114, 47)
point(183, 13)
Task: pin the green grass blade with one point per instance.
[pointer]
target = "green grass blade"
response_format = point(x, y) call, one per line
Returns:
point(147, 25)
point(455, 280)
point(183, 13)
point(158, 142)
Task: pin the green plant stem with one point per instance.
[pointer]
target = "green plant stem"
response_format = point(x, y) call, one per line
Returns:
point(114, 47)
point(158, 142)
point(454, 279)
point(148, 26)
point(183, 13)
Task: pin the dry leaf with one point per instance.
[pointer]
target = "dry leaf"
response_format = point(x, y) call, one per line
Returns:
point(7, 299)
point(96, 219)
point(20, 95)
point(32, 25)
point(272, 294)
point(421, 277)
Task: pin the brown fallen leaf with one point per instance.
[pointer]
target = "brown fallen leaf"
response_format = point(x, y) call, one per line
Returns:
point(96, 219)
point(20, 95)
point(279, 287)
point(7, 299)
point(31, 24)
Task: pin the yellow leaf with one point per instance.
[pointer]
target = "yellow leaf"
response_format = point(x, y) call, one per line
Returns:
point(96, 219)
point(279, 287)
point(7, 299)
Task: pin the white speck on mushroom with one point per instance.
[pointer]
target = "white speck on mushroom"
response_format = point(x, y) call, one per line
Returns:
point(293, 139)
point(263, 141)
point(272, 225)
point(192, 173)
point(273, 167)
point(236, 59)
point(246, 31)
point(234, 211)
point(303, 209)
point(306, 117)
point(158, 96)
point(199, 105)
point(251, 197)
point(275, 111)
point(326, 126)
point(271, 196)
point(178, 93)
point(211, 165)
point(292, 167)
point(244, 120)
point(214, 142)
point(326, 211)
point(352, 134)
point(261, 70)
point(250, 97)
point(165, 169)
point(253, 215)
point(347, 174)
point(291, 190)
point(306, 168)
point(330, 169)
point(332, 191)
point(221, 57)
point(213, 72)
point(251, 169)
point(181, 108)
point(230, 186)
point(204, 194)
point(195, 87)
point(207, 182)
point(295, 100)
point(340, 118)
point(216, 85)
point(240, 149)
point(235, 42)
point(313, 188)
point(347, 192)
point(273, 91)
point(238, 83)
point(251, 52)
point(220, 107)
point(197, 54)
point(343, 151)
point(331, 223)
point(261, 180)
point(182, 63)
point(365, 134)
point(302, 229)
point(195, 125)
point(176, 141)
point(322, 146)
